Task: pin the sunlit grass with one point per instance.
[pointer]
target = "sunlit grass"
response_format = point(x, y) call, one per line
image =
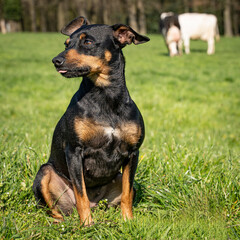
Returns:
point(187, 180)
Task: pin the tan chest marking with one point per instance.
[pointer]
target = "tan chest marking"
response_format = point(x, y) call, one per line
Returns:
point(99, 69)
point(87, 129)
point(130, 133)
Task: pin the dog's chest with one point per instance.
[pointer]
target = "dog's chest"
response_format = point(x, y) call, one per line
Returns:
point(96, 134)
point(105, 147)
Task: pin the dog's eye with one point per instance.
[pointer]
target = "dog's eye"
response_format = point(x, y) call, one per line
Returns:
point(87, 42)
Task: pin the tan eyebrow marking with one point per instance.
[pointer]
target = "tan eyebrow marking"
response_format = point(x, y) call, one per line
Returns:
point(83, 35)
point(67, 41)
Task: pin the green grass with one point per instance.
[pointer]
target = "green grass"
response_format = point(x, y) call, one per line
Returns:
point(188, 178)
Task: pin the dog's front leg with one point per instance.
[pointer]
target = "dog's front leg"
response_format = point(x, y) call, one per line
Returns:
point(129, 169)
point(75, 168)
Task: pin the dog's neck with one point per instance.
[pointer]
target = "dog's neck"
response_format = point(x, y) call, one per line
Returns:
point(111, 85)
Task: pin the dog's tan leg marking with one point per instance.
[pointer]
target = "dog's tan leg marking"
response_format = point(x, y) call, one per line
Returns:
point(83, 204)
point(48, 197)
point(127, 194)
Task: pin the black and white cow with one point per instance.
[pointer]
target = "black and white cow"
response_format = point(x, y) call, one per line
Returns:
point(170, 29)
point(195, 26)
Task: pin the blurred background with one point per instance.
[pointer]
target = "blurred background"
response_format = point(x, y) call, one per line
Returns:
point(143, 16)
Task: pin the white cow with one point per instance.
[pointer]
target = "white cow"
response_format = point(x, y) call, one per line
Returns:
point(198, 26)
point(188, 26)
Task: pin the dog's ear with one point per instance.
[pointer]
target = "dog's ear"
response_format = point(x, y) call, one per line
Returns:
point(74, 25)
point(126, 35)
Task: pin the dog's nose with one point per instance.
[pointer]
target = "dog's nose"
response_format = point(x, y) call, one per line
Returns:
point(58, 61)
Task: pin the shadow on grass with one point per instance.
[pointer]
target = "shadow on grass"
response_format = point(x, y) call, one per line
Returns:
point(139, 191)
point(198, 50)
point(165, 54)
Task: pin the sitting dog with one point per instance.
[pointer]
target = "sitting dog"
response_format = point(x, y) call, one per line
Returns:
point(101, 130)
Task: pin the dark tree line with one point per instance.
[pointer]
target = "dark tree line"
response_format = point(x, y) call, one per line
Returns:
point(143, 16)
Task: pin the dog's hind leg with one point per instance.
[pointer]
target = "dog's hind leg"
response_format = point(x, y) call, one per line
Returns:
point(53, 191)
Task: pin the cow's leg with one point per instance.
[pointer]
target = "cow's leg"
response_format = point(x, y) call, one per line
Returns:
point(53, 191)
point(211, 47)
point(186, 42)
point(172, 49)
point(180, 43)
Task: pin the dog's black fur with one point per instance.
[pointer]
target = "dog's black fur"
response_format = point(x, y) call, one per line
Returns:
point(101, 130)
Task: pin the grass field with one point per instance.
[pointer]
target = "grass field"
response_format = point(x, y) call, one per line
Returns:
point(188, 178)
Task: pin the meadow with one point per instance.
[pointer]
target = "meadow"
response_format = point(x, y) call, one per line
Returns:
point(188, 177)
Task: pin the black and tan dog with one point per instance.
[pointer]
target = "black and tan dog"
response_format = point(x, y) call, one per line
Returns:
point(101, 130)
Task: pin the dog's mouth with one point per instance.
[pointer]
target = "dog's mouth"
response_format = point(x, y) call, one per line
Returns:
point(78, 72)
point(62, 71)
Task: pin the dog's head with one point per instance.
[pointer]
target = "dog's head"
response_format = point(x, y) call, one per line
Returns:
point(91, 49)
